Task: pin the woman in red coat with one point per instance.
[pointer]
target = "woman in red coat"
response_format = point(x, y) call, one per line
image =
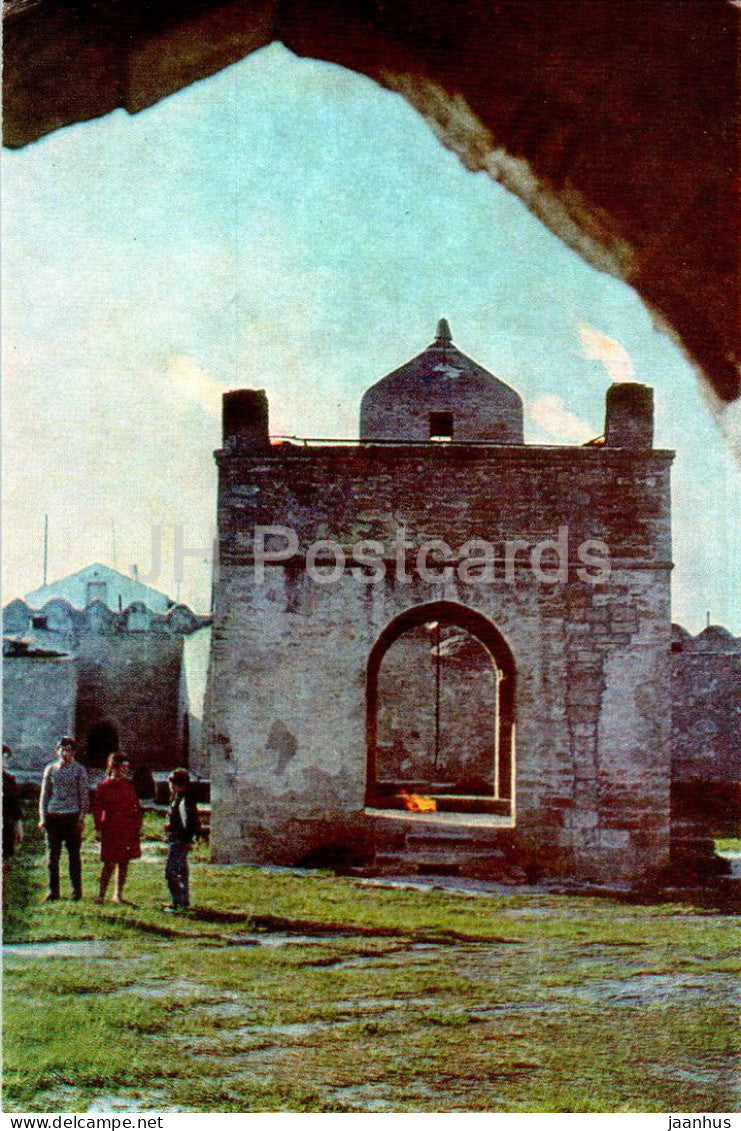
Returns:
point(118, 819)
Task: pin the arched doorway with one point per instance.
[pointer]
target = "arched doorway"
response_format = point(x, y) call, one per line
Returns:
point(101, 740)
point(440, 713)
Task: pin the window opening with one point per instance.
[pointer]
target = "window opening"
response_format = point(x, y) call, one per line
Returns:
point(441, 427)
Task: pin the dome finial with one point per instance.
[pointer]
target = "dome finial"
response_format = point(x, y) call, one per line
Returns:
point(443, 337)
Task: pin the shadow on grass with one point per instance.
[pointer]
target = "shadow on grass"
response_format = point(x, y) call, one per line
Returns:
point(23, 880)
point(211, 915)
point(21, 891)
point(275, 923)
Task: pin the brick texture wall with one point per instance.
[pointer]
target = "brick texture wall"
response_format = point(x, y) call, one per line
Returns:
point(39, 700)
point(133, 682)
point(287, 718)
point(125, 669)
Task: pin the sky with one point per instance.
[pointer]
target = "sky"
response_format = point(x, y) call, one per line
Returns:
point(288, 225)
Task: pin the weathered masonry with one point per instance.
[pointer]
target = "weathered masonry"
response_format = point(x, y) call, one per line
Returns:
point(706, 741)
point(522, 693)
point(100, 656)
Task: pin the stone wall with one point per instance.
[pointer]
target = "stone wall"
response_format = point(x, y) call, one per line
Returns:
point(39, 703)
point(287, 726)
point(133, 682)
point(706, 727)
point(126, 669)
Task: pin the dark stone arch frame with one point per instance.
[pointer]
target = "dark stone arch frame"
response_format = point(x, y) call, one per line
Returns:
point(604, 117)
point(460, 616)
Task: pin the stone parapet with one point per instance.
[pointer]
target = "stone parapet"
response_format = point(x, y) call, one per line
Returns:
point(58, 616)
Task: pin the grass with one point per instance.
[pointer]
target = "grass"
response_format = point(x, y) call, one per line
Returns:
point(312, 993)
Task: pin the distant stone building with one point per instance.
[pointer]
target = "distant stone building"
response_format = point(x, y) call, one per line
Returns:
point(100, 583)
point(371, 655)
point(104, 658)
point(706, 729)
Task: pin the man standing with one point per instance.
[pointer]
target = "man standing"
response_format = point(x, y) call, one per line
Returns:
point(64, 801)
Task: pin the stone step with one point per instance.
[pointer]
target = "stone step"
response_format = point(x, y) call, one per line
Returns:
point(720, 893)
point(393, 829)
point(475, 863)
point(460, 848)
point(697, 869)
point(443, 856)
point(455, 838)
point(404, 863)
point(729, 889)
point(695, 840)
point(434, 847)
point(698, 853)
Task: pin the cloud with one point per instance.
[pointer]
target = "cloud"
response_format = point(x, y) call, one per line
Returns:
point(551, 414)
point(598, 346)
point(188, 379)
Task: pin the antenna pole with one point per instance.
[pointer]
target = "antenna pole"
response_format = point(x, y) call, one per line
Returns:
point(46, 547)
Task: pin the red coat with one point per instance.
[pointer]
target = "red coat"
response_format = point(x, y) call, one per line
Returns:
point(118, 819)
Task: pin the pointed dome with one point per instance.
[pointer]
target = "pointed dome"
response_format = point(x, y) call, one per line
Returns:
point(441, 394)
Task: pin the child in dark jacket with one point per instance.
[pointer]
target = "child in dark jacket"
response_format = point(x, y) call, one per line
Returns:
point(183, 826)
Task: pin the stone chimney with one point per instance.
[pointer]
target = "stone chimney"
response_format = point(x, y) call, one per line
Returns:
point(629, 416)
point(245, 420)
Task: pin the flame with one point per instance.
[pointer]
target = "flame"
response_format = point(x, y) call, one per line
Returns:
point(415, 803)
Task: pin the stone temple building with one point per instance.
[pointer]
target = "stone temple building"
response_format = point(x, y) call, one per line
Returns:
point(108, 660)
point(441, 648)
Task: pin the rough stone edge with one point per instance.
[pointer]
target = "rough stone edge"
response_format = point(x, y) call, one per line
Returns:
point(115, 621)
